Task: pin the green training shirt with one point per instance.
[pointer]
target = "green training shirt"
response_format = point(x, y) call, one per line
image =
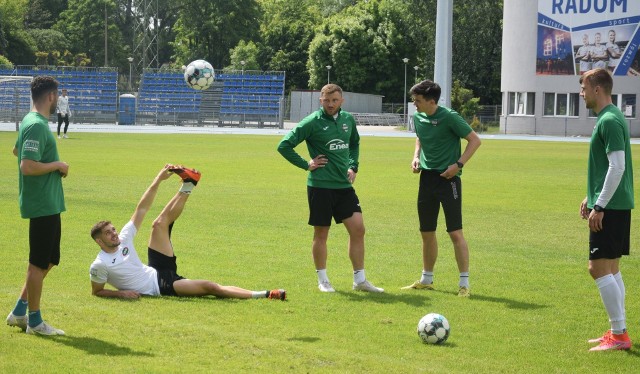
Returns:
point(439, 137)
point(40, 195)
point(336, 138)
point(610, 134)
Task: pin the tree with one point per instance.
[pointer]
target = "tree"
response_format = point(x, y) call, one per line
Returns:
point(287, 28)
point(20, 47)
point(83, 24)
point(247, 52)
point(48, 40)
point(210, 28)
point(463, 102)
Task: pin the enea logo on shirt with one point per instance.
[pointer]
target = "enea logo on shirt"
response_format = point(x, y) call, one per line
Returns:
point(125, 251)
point(337, 144)
point(31, 146)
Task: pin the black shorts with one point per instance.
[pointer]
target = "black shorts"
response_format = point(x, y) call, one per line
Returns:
point(435, 190)
point(325, 203)
point(613, 240)
point(167, 271)
point(44, 241)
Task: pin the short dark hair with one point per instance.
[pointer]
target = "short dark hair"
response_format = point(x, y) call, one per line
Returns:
point(330, 88)
point(427, 89)
point(599, 77)
point(41, 86)
point(96, 230)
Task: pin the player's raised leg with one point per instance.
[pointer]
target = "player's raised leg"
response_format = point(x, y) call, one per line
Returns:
point(188, 287)
point(355, 227)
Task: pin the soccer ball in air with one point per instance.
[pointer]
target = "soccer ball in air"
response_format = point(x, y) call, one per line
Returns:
point(199, 75)
point(433, 329)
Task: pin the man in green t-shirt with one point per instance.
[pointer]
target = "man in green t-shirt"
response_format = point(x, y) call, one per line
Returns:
point(438, 160)
point(608, 204)
point(41, 200)
point(334, 144)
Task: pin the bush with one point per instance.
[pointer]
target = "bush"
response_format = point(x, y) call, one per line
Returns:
point(5, 61)
point(478, 126)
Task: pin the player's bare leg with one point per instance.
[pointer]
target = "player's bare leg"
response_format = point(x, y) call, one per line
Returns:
point(160, 239)
point(188, 287)
point(429, 257)
point(319, 252)
point(355, 227)
point(461, 250)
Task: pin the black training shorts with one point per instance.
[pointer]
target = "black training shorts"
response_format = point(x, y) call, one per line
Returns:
point(167, 271)
point(613, 240)
point(44, 241)
point(433, 191)
point(325, 203)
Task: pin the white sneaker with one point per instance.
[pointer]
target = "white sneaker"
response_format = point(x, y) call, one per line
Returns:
point(65, 136)
point(18, 321)
point(326, 287)
point(366, 287)
point(44, 329)
point(58, 136)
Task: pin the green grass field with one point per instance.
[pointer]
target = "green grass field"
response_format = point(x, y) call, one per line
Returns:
point(533, 307)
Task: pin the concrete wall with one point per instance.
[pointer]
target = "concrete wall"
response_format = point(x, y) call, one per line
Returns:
point(304, 103)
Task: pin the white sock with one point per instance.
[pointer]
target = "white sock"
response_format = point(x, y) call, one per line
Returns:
point(358, 276)
point(618, 277)
point(322, 275)
point(464, 279)
point(187, 187)
point(259, 294)
point(610, 294)
point(427, 277)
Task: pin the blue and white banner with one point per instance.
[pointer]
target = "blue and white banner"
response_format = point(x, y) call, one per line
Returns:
point(579, 35)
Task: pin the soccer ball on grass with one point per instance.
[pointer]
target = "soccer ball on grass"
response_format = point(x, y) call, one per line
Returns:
point(433, 329)
point(199, 75)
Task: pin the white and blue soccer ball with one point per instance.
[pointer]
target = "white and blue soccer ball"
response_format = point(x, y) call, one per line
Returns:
point(433, 329)
point(199, 75)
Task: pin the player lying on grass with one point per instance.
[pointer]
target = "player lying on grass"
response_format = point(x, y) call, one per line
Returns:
point(119, 265)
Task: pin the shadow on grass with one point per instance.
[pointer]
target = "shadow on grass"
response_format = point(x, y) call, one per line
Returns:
point(509, 303)
point(633, 352)
point(304, 339)
point(95, 346)
point(387, 298)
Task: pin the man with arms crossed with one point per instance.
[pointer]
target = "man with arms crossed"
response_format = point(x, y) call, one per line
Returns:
point(63, 112)
point(40, 176)
point(599, 54)
point(608, 203)
point(583, 56)
point(614, 51)
point(437, 158)
point(334, 144)
point(119, 265)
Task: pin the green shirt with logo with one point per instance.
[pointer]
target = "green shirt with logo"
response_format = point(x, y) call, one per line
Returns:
point(439, 136)
point(336, 138)
point(39, 195)
point(610, 134)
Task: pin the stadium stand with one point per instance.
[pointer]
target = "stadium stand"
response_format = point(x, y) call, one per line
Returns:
point(92, 92)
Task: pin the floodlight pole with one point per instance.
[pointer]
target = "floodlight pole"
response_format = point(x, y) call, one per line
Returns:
point(404, 92)
point(328, 73)
point(242, 63)
point(442, 69)
point(130, 59)
point(415, 80)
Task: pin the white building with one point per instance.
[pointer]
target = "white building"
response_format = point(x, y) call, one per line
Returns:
point(543, 54)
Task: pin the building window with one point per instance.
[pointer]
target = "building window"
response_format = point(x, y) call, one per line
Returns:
point(548, 47)
point(521, 103)
point(561, 104)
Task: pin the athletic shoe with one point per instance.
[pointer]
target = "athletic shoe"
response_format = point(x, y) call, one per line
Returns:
point(58, 136)
point(187, 175)
point(44, 329)
point(278, 294)
point(366, 287)
point(614, 343)
point(419, 286)
point(600, 339)
point(326, 287)
point(18, 321)
point(464, 292)
point(65, 136)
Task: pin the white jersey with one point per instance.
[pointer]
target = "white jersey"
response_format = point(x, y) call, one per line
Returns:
point(597, 51)
point(123, 269)
point(613, 62)
point(63, 105)
point(585, 65)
